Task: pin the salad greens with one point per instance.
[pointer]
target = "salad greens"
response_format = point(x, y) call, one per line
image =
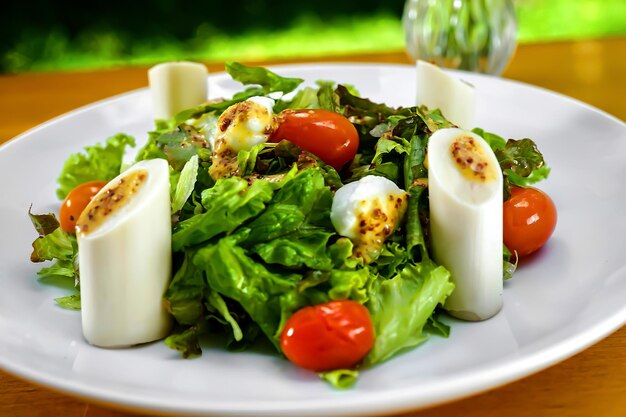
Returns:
point(251, 249)
point(98, 163)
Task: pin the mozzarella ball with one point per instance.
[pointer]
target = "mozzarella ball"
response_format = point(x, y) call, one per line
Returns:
point(367, 211)
point(246, 124)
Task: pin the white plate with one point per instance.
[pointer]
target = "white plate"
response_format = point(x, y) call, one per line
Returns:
point(564, 299)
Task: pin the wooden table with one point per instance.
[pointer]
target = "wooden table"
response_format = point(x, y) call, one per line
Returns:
point(591, 383)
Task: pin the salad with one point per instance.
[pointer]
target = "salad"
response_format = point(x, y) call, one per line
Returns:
point(337, 229)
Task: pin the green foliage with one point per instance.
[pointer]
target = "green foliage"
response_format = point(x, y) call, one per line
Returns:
point(60, 36)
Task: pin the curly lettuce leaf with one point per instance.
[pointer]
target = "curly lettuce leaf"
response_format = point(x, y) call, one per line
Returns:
point(228, 204)
point(363, 108)
point(521, 161)
point(269, 298)
point(295, 229)
point(187, 342)
point(97, 163)
point(303, 248)
point(269, 81)
point(54, 244)
point(401, 306)
point(496, 142)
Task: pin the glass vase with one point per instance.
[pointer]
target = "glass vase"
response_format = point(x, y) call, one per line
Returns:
point(472, 35)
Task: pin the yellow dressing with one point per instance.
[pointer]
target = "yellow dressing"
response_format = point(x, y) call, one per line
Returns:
point(376, 220)
point(111, 199)
point(471, 160)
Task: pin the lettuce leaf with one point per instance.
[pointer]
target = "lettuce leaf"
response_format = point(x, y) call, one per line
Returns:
point(185, 295)
point(269, 81)
point(400, 307)
point(340, 378)
point(304, 248)
point(521, 161)
point(187, 342)
point(185, 184)
point(496, 142)
point(54, 244)
point(70, 302)
point(228, 204)
point(97, 163)
point(269, 298)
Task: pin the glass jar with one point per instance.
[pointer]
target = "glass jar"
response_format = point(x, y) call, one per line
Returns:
point(473, 35)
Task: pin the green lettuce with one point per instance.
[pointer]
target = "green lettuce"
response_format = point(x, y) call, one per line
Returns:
point(521, 161)
point(70, 302)
point(54, 244)
point(341, 378)
point(97, 163)
point(400, 307)
point(228, 204)
point(508, 267)
point(185, 184)
point(269, 81)
point(269, 298)
point(186, 293)
point(187, 341)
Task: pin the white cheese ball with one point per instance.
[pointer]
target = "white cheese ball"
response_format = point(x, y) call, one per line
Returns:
point(367, 211)
point(246, 124)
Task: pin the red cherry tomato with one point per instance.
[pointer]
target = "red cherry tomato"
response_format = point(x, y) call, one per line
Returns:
point(328, 336)
point(326, 134)
point(75, 203)
point(529, 220)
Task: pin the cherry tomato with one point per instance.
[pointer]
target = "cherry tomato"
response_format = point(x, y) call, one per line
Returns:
point(529, 220)
point(75, 203)
point(326, 134)
point(328, 336)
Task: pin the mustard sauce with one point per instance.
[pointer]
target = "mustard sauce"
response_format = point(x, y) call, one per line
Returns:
point(112, 199)
point(376, 221)
point(224, 162)
point(471, 160)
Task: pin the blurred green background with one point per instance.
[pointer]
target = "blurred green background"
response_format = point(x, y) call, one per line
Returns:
point(70, 35)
